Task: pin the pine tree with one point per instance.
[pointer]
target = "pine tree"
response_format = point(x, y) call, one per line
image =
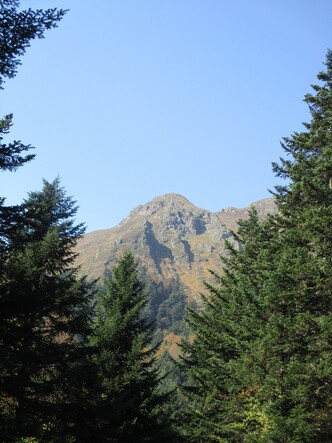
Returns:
point(126, 404)
point(44, 315)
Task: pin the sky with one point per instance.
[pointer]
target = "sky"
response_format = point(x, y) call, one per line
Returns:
point(127, 100)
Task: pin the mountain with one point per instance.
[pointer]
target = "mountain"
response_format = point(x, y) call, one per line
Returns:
point(170, 237)
point(230, 216)
point(175, 244)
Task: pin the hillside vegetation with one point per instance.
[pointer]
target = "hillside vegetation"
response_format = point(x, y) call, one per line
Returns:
point(84, 360)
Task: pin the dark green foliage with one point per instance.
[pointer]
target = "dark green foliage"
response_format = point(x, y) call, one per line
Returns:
point(300, 297)
point(43, 307)
point(165, 306)
point(126, 405)
point(220, 361)
point(157, 295)
point(44, 314)
point(10, 155)
point(260, 364)
point(171, 312)
point(165, 309)
point(17, 29)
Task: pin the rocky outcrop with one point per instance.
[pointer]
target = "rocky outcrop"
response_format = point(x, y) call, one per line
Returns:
point(230, 216)
point(170, 237)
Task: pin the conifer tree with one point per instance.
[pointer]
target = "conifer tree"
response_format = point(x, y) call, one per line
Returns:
point(126, 404)
point(31, 255)
point(261, 360)
point(17, 29)
point(299, 300)
point(44, 315)
point(220, 361)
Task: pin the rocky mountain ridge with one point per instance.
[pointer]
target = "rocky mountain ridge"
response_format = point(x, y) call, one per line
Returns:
point(170, 237)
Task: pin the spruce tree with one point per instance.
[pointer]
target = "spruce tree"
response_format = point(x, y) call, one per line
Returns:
point(126, 405)
point(17, 28)
point(33, 261)
point(299, 297)
point(219, 363)
point(260, 364)
point(45, 313)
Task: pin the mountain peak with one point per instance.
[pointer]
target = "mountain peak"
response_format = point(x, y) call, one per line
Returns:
point(159, 204)
point(170, 197)
point(170, 237)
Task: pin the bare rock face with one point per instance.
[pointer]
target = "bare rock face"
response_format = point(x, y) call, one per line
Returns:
point(230, 216)
point(169, 237)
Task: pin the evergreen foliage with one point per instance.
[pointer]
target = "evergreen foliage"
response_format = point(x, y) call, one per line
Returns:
point(165, 307)
point(44, 308)
point(219, 363)
point(171, 312)
point(17, 29)
point(53, 387)
point(260, 364)
point(300, 298)
point(126, 403)
point(44, 314)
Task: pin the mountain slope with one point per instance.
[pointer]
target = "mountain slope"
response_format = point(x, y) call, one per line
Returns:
point(170, 237)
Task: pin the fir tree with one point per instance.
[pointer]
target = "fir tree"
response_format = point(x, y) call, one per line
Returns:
point(44, 315)
point(299, 300)
point(33, 325)
point(219, 363)
point(17, 29)
point(261, 361)
point(126, 404)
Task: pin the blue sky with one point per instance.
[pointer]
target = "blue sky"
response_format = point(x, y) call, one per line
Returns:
point(128, 99)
